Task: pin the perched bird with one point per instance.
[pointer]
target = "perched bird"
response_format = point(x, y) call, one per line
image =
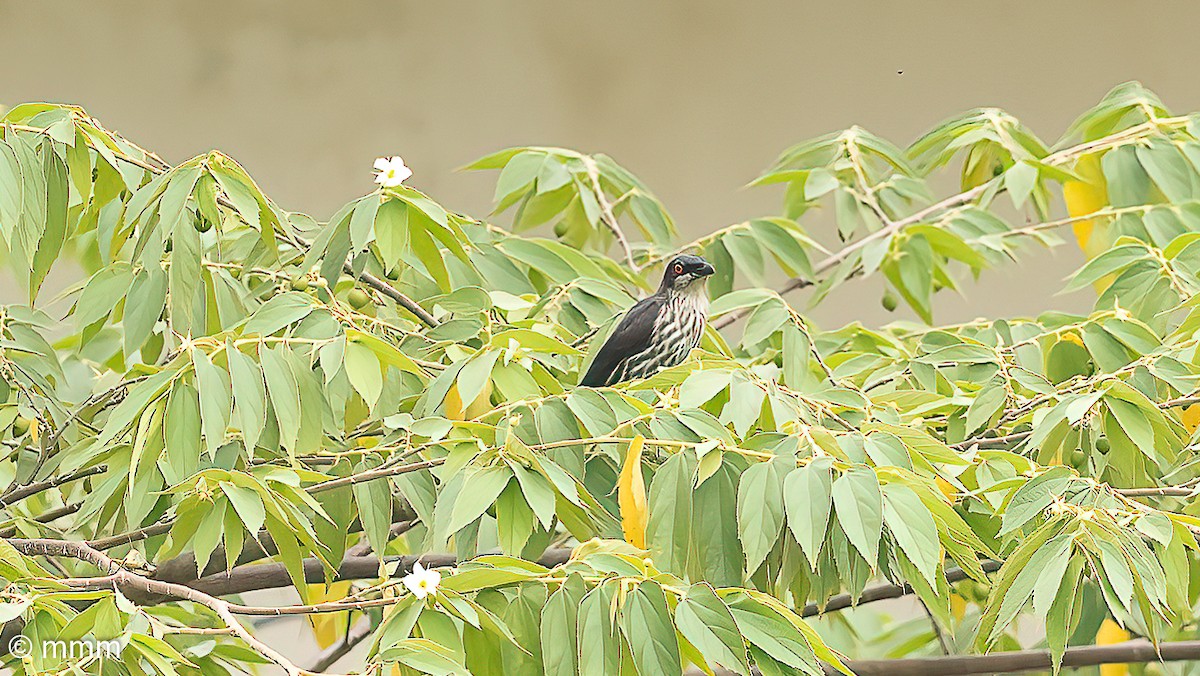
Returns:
point(660, 330)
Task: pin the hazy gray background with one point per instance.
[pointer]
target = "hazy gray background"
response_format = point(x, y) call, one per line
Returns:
point(694, 97)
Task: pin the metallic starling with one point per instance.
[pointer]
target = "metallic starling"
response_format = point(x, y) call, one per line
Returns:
point(660, 330)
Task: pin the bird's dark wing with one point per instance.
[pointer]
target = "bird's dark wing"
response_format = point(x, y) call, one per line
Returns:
point(630, 337)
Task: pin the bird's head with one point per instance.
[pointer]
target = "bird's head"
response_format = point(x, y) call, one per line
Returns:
point(685, 272)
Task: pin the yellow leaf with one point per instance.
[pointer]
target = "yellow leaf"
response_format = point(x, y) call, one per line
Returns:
point(328, 627)
point(947, 489)
point(453, 404)
point(1190, 417)
point(631, 495)
point(1072, 337)
point(482, 403)
point(455, 410)
point(1110, 632)
point(1087, 196)
point(958, 607)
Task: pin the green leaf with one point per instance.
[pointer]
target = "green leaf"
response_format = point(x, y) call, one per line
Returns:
point(599, 645)
point(374, 500)
point(914, 529)
point(362, 220)
point(669, 525)
point(559, 627)
point(774, 635)
point(249, 396)
point(285, 396)
point(248, 505)
point(364, 371)
point(480, 490)
point(215, 399)
point(760, 511)
point(859, 508)
point(514, 520)
point(646, 625)
point(808, 499)
point(1034, 497)
point(519, 172)
point(984, 406)
point(705, 621)
point(103, 291)
point(1020, 179)
point(280, 311)
point(143, 306)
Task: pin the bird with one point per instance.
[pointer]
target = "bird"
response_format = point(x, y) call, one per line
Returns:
point(660, 330)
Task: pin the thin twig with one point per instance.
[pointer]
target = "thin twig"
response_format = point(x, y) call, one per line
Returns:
point(375, 474)
point(357, 634)
point(937, 628)
point(289, 238)
point(606, 212)
point(120, 578)
point(19, 493)
point(46, 517)
point(964, 197)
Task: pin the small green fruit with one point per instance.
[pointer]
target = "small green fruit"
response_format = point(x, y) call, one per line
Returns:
point(20, 426)
point(202, 224)
point(299, 284)
point(358, 299)
point(888, 301)
point(1102, 445)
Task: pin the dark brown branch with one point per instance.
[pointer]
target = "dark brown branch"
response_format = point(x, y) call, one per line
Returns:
point(393, 293)
point(18, 493)
point(1027, 660)
point(357, 634)
point(375, 474)
point(990, 441)
point(1180, 491)
point(132, 536)
point(46, 517)
point(887, 591)
point(273, 575)
point(182, 568)
point(164, 526)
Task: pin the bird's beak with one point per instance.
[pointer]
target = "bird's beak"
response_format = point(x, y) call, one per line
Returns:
point(705, 270)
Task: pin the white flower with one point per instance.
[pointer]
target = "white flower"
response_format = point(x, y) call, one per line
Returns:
point(422, 582)
point(391, 172)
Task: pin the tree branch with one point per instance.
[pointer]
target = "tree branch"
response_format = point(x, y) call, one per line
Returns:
point(375, 474)
point(46, 517)
point(18, 493)
point(1027, 660)
point(606, 212)
point(357, 634)
point(881, 592)
point(274, 575)
point(1060, 157)
point(393, 293)
point(120, 578)
point(161, 167)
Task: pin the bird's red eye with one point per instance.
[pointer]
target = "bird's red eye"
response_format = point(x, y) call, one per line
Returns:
point(679, 268)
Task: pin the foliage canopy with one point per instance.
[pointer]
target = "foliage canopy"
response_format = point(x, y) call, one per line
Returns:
point(233, 383)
